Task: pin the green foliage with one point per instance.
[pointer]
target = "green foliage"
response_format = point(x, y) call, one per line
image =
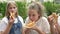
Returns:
point(22, 9)
point(51, 7)
point(2, 8)
point(57, 6)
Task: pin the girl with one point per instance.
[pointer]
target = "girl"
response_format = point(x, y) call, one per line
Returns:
point(12, 22)
point(35, 14)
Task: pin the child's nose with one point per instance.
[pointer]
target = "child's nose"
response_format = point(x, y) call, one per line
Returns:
point(12, 9)
point(31, 18)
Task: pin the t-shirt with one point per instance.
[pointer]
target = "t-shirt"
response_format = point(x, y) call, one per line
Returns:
point(4, 22)
point(59, 20)
point(42, 23)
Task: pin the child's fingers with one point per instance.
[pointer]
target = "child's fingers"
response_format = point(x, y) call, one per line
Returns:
point(50, 19)
point(11, 21)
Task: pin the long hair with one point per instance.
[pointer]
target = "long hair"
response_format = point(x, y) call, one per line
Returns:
point(8, 4)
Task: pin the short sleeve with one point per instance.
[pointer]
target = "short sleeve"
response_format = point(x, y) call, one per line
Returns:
point(3, 24)
point(21, 19)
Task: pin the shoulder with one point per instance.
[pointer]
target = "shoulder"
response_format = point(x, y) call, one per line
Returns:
point(21, 19)
point(27, 19)
point(4, 19)
point(43, 18)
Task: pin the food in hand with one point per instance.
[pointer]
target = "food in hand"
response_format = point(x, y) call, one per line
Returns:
point(12, 15)
point(55, 17)
point(30, 24)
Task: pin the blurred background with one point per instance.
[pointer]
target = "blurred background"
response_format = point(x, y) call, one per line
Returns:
point(50, 7)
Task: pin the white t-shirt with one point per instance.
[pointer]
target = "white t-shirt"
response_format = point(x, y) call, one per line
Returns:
point(59, 20)
point(4, 22)
point(42, 23)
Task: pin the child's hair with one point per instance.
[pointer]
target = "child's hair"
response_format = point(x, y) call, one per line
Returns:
point(37, 6)
point(8, 4)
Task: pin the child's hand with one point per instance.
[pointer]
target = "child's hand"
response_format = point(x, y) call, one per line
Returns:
point(11, 18)
point(53, 19)
point(11, 21)
point(50, 19)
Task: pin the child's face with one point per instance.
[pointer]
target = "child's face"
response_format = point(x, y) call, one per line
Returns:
point(33, 15)
point(12, 8)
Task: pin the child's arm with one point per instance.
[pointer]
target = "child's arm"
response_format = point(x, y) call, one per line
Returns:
point(7, 29)
point(58, 27)
point(52, 27)
point(8, 26)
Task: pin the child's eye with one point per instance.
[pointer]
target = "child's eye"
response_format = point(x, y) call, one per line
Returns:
point(10, 8)
point(33, 15)
point(14, 7)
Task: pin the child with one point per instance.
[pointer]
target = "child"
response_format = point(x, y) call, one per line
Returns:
point(12, 22)
point(35, 15)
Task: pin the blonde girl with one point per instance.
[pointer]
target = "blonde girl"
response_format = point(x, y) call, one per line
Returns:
point(35, 13)
point(12, 22)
